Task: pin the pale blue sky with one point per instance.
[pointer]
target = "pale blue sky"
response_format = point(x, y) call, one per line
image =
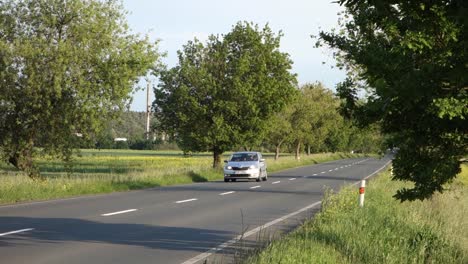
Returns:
point(175, 22)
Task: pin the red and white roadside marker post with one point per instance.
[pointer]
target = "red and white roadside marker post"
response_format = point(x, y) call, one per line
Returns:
point(361, 193)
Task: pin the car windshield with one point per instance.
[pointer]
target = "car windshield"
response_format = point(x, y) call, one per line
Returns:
point(244, 157)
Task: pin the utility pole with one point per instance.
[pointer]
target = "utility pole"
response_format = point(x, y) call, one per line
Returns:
point(148, 108)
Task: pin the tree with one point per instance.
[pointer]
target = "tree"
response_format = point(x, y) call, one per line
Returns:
point(339, 136)
point(66, 67)
point(412, 58)
point(279, 129)
point(315, 111)
point(221, 94)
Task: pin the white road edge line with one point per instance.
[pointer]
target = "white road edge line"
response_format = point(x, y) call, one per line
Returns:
point(275, 182)
point(185, 201)
point(247, 234)
point(16, 232)
point(255, 187)
point(315, 174)
point(292, 179)
point(227, 193)
point(375, 172)
point(120, 212)
point(258, 229)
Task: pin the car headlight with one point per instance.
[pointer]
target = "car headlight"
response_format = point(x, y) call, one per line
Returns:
point(252, 167)
point(228, 168)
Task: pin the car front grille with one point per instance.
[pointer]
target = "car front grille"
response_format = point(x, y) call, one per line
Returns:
point(239, 175)
point(240, 168)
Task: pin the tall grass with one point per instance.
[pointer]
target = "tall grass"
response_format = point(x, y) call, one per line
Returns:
point(105, 171)
point(383, 231)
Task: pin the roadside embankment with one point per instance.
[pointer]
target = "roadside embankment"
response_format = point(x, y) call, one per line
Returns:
point(383, 231)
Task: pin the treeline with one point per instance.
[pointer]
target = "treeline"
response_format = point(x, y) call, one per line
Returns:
point(311, 123)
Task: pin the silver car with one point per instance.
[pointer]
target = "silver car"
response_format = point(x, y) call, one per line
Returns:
point(245, 165)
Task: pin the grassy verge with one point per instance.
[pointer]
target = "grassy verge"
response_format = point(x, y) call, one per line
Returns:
point(106, 171)
point(384, 231)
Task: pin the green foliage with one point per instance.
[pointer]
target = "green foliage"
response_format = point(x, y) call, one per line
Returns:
point(314, 113)
point(346, 136)
point(222, 94)
point(312, 119)
point(66, 67)
point(279, 129)
point(412, 58)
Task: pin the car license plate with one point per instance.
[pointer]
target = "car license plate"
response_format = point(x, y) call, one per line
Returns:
point(238, 172)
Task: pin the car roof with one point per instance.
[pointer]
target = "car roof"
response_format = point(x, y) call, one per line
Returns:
point(246, 152)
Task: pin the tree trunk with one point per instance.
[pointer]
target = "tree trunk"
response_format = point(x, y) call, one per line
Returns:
point(278, 149)
point(298, 150)
point(23, 160)
point(277, 152)
point(308, 150)
point(217, 157)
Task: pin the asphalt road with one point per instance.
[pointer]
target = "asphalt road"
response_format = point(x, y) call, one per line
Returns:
point(180, 224)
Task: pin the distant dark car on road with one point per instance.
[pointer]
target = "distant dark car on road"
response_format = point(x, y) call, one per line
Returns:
point(245, 165)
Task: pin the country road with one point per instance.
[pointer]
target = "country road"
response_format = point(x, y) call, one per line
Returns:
point(179, 224)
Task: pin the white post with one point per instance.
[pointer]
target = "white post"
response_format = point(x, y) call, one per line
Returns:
point(148, 109)
point(361, 193)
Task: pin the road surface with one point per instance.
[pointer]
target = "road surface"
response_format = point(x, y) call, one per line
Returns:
point(179, 224)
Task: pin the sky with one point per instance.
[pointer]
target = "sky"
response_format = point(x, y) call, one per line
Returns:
point(175, 22)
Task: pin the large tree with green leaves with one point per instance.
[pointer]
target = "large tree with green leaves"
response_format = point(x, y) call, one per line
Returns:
point(222, 93)
point(66, 66)
point(412, 57)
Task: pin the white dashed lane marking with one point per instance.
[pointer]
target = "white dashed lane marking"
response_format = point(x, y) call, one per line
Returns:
point(16, 232)
point(227, 193)
point(120, 212)
point(255, 187)
point(186, 201)
point(276, 182)
point(292, 179)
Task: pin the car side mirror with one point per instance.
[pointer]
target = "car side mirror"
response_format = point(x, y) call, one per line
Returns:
point(262, 160)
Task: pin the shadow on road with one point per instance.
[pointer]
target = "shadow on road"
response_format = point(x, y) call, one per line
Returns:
point(59, 230)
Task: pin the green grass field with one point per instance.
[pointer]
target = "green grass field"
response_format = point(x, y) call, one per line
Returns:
point(383, 231)
point(104, 171)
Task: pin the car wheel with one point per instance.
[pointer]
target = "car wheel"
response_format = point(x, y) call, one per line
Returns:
point(258, 179)
point(233, 180)
point(226, 179)
point(265, 176)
